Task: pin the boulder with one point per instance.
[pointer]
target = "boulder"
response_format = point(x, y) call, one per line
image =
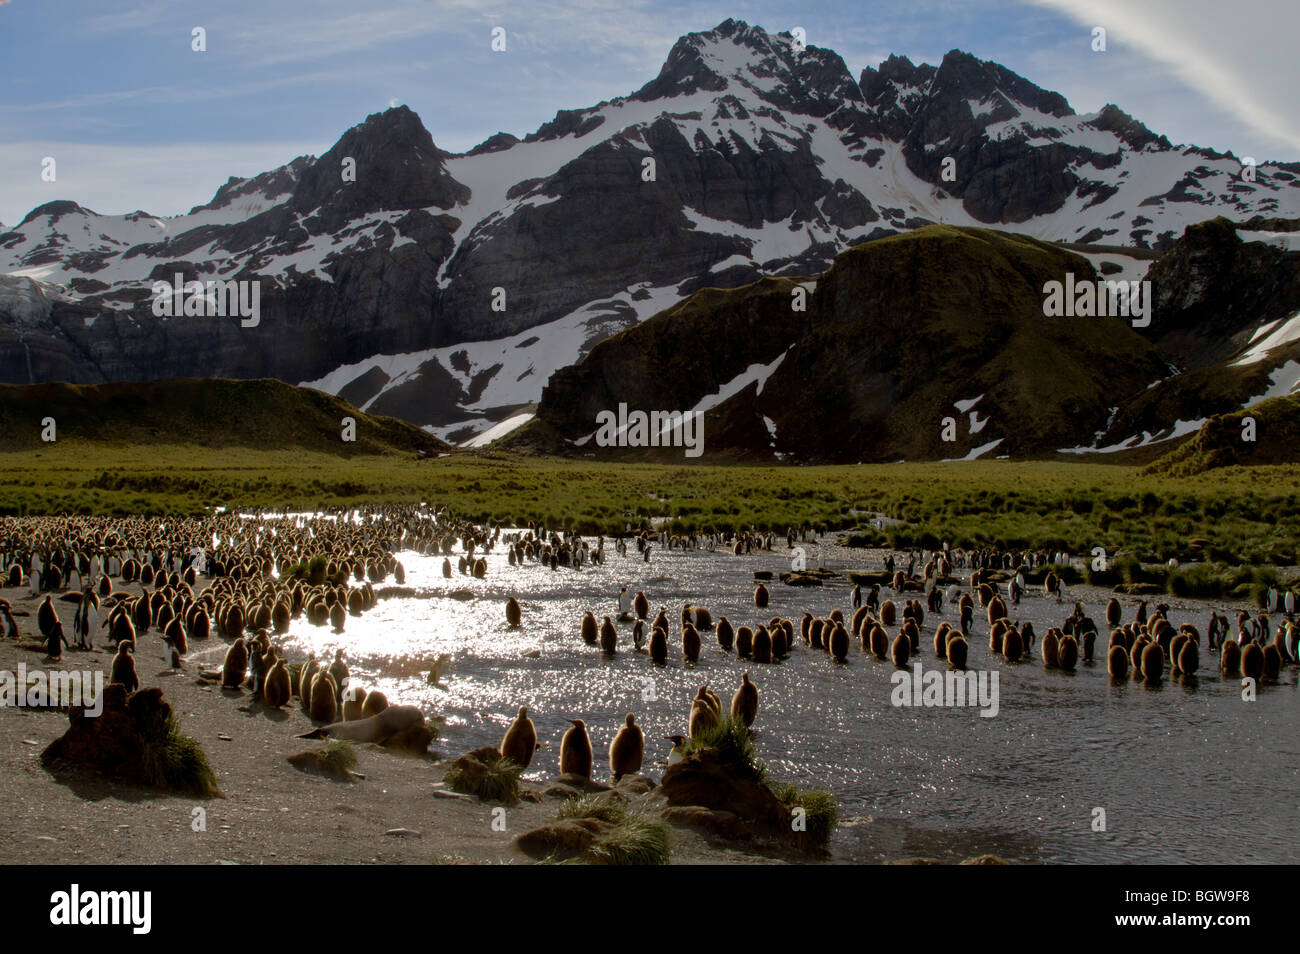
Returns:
point(566, 838)
point(701, 780)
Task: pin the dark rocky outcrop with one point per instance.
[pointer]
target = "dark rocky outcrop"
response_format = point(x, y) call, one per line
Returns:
point(135, 738)
point(1213, 290)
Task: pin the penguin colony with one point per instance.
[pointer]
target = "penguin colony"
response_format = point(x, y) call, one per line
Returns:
point(891, 631)
point(133, 578)
point(129, 579)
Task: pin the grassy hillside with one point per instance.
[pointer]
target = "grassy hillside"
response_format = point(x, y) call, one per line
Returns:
point(210, 413)
point(915, 322)
point(668, 362)
point(1232, 515)
point(1219, 442)
point(896, 332)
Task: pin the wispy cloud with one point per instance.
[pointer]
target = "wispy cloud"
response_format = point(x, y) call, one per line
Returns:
point(1242, 60)
point(156, 95)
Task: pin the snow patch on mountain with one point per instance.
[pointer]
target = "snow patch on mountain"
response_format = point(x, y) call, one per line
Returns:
point(1283, 380)
point(1275, 334)
point(976, 453)
point(499, 430)
point(1288, 241)
point(1180, 428)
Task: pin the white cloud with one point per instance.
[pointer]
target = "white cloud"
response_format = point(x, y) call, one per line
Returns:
point(112, 180)
point(1241, 57)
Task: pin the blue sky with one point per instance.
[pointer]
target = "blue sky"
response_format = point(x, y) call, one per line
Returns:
point(136, 119)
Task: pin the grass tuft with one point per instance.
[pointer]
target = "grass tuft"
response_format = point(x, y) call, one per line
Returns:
point(821, 808)
point(171, 760)
point(733, 746)
point(339, 756)
point(636, 840)
point(500, 783)
point(603, 806)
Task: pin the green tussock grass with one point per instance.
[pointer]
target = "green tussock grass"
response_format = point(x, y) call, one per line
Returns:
point(273, 414)
point(1245, 515)
point(1219, 442)
point(339, 756)
point(821, 808)
point(733, 745)
point(172, 760)
point(500, 783)
point(1198, 581)
point(605, 806)
point(636, 840)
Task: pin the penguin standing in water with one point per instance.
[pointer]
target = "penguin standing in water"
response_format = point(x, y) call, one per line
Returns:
point(608, 637)
point(575, 750)
point(744, 704)
point(520, 740)
point(857, 596)
point(626, 750)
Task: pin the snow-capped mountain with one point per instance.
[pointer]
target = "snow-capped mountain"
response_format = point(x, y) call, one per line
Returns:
point(447, 289)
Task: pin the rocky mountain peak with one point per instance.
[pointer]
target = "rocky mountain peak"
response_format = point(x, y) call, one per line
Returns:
point(55, 210)
point(267, 185)
point(397, 166)
point(961, 76)
point(738, 57)
point(1135, 135)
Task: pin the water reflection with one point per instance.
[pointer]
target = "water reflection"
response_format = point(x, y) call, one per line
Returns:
point(1186, 772)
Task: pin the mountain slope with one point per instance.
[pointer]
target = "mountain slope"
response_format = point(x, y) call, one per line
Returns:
point(260, 413)
point(1219, 441)
point(1226, 319)
point(900, 333)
